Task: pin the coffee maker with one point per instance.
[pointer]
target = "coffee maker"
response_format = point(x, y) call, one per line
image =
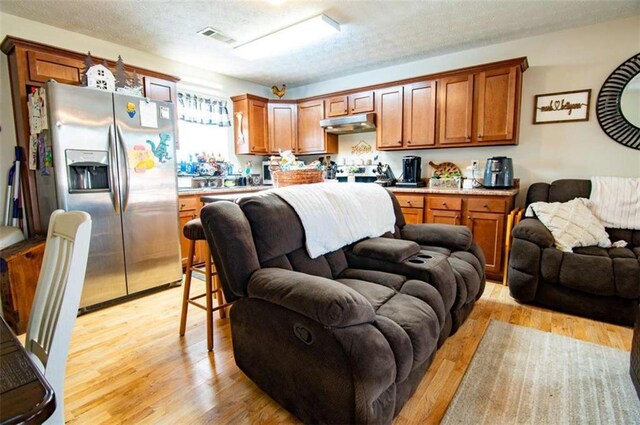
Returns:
point(498, 173)
point(411, 170)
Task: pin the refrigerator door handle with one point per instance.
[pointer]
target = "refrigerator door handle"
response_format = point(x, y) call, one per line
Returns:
point(114, 179)
point(123, 147)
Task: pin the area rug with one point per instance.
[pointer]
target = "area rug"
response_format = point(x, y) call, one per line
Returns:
point(524, 376)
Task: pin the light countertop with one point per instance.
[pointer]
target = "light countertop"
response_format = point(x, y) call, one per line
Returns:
point(203, 191)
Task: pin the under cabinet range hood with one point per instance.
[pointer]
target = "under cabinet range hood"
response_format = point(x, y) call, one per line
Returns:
point(360, 123)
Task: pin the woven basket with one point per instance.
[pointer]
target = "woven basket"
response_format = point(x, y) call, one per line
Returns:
point(291, 177)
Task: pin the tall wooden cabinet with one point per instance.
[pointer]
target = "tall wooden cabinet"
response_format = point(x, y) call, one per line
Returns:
point(250, 124)
point(311, 137)
point(31, 65)
point(480, 108)
point(283, 127)
point(406, 116)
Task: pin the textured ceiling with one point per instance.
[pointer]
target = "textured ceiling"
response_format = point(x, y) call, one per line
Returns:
point(373, 33)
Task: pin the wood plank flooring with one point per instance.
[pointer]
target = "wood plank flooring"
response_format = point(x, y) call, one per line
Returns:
point(127, 364)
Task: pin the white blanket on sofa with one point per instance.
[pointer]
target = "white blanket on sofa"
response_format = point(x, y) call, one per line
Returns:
point(616, 201)
point(336, 214)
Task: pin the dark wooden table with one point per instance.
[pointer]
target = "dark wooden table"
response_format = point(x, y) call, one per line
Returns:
point(25, 395)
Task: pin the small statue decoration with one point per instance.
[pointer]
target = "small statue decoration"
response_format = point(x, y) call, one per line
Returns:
point(279, 92)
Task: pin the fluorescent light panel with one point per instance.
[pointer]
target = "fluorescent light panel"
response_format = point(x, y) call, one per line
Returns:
point(290, 38)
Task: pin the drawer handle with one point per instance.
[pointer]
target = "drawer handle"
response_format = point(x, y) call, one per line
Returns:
point(408, 142)
point(408, 202)
point(469, 217)
point(444, 203)
point(485, 205)
point(399, 142)
point(183, 205)
point(480, 136)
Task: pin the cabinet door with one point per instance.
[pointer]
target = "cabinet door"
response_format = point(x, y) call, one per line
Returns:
point(258, 130)
point(389, 133)
point(311, 137)
point(443, 217)
point(185, 216)
point(44, 66)
point(496, 103)
point(336, 106)
point(241, 127)
point(413, 215)
point(283, 128)
point(160, 90)
point(420, 114)
point(488, 232)
point(362, 102)
point(455, 109)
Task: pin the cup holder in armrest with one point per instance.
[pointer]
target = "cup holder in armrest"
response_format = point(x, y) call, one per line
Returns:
point(420, 259)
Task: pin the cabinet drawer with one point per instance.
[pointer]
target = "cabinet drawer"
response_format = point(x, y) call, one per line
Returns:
point(188, 203)
point(444, 203)
point(487, 205)
point(411, 201)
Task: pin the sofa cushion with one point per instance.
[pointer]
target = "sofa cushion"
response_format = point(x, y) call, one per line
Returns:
point(386, 249)
point(587, 273)
point(390, 280)
point(571, 223)
point(375, 294)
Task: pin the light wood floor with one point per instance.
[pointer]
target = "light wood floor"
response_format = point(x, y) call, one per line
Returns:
point(127, 364)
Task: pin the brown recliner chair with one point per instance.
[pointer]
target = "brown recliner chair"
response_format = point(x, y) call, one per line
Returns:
point(345, 337)
point(599, 283)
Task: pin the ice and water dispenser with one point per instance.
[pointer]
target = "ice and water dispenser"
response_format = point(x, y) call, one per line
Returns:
point(88, 171)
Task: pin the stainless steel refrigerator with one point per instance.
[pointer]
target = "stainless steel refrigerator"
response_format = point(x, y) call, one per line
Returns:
point(113, 156)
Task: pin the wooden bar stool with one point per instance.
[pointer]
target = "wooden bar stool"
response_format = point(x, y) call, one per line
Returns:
point(194, 232)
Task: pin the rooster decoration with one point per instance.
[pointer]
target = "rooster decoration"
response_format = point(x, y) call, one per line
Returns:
point(279, 92)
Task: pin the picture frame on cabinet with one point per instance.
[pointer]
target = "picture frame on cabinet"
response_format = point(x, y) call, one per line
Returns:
point(568, 106)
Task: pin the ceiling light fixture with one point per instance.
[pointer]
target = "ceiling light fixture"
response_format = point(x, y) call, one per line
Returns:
point(289, 38)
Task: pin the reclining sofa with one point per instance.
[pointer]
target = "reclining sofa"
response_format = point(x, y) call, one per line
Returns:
point(599, 283)
point(345, 337)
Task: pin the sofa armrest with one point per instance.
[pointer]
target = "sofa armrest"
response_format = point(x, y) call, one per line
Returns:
point(326, 301)
point(532, 230)
point(457, 238)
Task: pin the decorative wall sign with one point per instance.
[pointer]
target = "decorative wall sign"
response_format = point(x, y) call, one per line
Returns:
point(619, 121)
point(361, 148)
point(562, 107)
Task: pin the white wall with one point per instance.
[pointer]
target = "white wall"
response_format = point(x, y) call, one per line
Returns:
point(574, 59)
point(193, 78)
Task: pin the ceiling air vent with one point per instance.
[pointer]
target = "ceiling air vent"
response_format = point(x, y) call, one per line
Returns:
point(216, 35)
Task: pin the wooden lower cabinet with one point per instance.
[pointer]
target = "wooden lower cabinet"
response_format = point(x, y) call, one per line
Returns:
point(484, 215)
point(412, 207)
point(19, 271)
point(189, 208)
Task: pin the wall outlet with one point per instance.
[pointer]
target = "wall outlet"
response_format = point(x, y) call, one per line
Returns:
point(474, 164)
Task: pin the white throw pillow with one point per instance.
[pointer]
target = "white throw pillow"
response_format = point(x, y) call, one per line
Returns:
point(572, 223)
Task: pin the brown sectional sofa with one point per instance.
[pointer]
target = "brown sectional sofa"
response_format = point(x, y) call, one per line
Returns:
point(346, 337)
point(603, 284)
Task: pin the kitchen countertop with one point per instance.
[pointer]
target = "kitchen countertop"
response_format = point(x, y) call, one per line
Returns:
point(417, 190)
point(213, 190)
point(478, 191)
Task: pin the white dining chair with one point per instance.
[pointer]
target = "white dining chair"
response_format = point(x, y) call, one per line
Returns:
point(57, 298)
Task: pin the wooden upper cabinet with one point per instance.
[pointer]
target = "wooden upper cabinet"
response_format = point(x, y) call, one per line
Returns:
point(496, 105)
point(456, 109)
point(420, 114)
point(160, 90)
point(283, 127)
point(45, 66)
point(258, 127)
point(311, 137)
point(355, 103)
point(337, 106)
point(250, 125)
point(362, 102)
point(389, 123)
